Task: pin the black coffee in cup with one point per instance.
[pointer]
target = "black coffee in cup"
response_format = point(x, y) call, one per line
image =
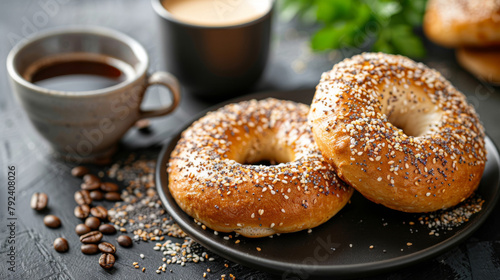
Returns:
point(78, 72)
point(83, 87)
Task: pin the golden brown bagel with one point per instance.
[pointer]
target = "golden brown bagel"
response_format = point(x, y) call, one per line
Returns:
point(398, 132)
point(212, 179)
point(456, 23)
point(483, 63)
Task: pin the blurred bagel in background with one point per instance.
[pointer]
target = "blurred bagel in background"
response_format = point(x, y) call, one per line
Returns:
point(459, 23)
point(483, 63)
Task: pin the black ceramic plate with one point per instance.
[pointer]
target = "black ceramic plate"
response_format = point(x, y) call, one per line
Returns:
point(341, 246)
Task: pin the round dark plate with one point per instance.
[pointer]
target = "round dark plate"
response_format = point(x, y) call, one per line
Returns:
point(342, 246)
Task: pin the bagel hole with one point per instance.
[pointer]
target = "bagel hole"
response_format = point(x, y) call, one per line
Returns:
point(415, 122)
point(264, 151)
point(263, 162)
point(411, 111)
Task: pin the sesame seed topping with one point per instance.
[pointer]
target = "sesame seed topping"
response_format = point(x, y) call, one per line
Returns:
point(207, 160)
point(398, 119)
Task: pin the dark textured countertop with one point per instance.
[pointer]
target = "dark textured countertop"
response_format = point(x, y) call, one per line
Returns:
point(291, 66)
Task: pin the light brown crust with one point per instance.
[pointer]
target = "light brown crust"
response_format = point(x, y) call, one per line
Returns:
point(354, 114)
point(483, 63)
point(455, 23)
point(210, 183)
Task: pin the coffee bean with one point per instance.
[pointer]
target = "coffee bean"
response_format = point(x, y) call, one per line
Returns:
point(92, 222)
point(144, 125)
point(96, 195)
point(61, 245)
point(89, 249)
point(52, 221)
point(82, 211)
point(107, 247)
point(91, 186)
point(83, 197)
point(79, 171)
point(107, 261)
point(91, 237)
point(107, 229)
point(124, 240)
point(102, 160)
point(99, 212)
point(82, 229)
point(39, 201)
point(112, 196)
point(109, 187)
point(91, 178)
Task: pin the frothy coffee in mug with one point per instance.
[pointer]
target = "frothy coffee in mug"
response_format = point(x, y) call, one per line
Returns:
point(217, 12)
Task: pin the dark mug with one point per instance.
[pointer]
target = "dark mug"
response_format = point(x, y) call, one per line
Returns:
point(215, 61)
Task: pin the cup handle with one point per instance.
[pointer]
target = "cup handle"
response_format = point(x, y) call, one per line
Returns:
point(169, 81)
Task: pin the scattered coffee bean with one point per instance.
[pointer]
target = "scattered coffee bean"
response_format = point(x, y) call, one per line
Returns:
point(91, 178)
point(91, 186)
point(124, 240)
point(96, 195)
point(112, 196)
point(83, 197)
point(82, 229)
point(39, 201)
point(91, 237)
point(107, 261)
point(144, 125)
point(107, 247)
point(82, 211)
point(102, 160)
point(107, 229)
point(99, 212)
point(79, 171)
point(89, 249)
point(52, 221)
point(92, 222)
point(61, 245)
point(109, 187)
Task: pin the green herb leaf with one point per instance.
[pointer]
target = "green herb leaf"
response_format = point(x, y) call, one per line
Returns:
point(405, 42)
point(326, 38)
point(356, 23)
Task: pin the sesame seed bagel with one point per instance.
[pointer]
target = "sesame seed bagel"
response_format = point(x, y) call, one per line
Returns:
point(457, 23)
point(398, 132)
point(212, 178)
point(484, 63)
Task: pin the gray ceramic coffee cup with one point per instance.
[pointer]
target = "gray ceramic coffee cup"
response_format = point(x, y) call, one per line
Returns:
point(86, 125)
point(215, 61)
